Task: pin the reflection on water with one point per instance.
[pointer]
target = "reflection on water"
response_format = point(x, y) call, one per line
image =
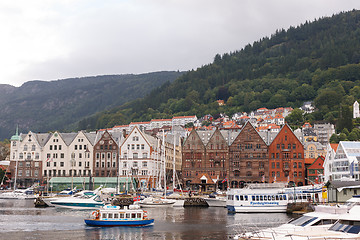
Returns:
point(19, 219)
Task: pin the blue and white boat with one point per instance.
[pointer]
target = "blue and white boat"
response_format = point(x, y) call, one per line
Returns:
point(111, 216)
point(85, 201)
point(269, 197)
point(266, 198)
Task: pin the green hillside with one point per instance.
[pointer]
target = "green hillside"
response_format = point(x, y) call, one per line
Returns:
point(316, 61)
point(42, 106)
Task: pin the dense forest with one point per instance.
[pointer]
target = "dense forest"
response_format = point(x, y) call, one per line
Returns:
point(42, 106)
point(317, 61)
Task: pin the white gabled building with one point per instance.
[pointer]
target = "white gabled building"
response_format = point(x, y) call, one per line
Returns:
point(140, 158)
point(26, 158)
point(345, 164)
point(81, 154)
point(68, 154)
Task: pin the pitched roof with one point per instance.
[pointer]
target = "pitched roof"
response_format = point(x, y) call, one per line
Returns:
point(334, 146)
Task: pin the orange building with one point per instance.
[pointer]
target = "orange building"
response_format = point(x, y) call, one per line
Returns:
point(286, 158)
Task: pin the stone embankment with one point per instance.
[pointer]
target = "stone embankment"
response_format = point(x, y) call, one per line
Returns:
point(301, 207)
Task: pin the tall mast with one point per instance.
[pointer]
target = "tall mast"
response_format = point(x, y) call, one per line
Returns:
point(174, 159)
point(164, 163)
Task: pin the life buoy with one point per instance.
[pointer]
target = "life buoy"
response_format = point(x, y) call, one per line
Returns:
point(145, 214)
point(95, 214)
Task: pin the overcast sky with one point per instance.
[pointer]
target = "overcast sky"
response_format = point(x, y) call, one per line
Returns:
point(56, 39)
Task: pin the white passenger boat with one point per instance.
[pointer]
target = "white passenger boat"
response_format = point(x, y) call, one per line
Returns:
point(269, 197)
point(257, 198)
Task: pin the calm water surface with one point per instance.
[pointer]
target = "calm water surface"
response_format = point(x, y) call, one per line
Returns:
point(19, 219)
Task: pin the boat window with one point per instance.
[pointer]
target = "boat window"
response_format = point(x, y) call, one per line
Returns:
point(273, 197)
point(280, 197)
point(110, 215)
point(257, 198)
point(237, 197)
point(128, 215)
point(346, 226)
point(104, 215)
point(261, 198)
point(241, 198)
point(324, 222)
point(290, 197)
point(304, 197)
point(116, 215)
point(302, 221)
point(253, 198)
point(133, 215)
point(121, 215)
point(246, 197)
point(284, 197)
point(277, 197)
point(265, 198)
point(138, 215)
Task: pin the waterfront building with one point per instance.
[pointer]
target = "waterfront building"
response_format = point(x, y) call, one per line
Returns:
point(25, 158)
point(345, 164)
point(286, 158)
point(205, 153)
point(141, 159)
point(68, 154)
point(329, 157)
point(315, 171)
point(248, 157)
point(106, 154)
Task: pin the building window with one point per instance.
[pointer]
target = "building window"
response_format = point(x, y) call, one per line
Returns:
point(61, 164)
point(145, 155)
point(135, 155)
point(144, 163)
point(248, 164)
point(135, 164)
point(124, 164)
point(278, 146)
point(273, 165)
point(295, 174)
point(295, 165)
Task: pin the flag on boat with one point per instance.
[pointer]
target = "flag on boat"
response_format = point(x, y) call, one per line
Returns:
point(225, 180)
point(136, 198)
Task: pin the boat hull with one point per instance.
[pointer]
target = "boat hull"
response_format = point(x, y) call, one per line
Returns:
point(107, 223)
point(77, 205)
point(257, 209)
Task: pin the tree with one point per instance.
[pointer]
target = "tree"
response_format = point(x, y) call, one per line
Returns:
point(345, 119)
point(295, 118)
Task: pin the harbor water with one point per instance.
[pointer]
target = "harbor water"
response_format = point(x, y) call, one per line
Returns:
point(19, 219)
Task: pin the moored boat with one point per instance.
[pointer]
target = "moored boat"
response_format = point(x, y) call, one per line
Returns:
point(82, 202)
point(111, 216)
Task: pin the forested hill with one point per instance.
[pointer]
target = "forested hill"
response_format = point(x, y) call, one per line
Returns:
point(42, 106)
point(317, 61)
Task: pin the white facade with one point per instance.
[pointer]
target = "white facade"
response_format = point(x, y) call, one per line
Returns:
point(329, 158)
point(25, 158)
point(139, 158)
point(356, 112)
point(345, 164)
point(67, 154)
point(183, 120)
point(159, 123)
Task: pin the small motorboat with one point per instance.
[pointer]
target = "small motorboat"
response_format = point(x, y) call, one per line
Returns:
point(111, 216)
point(151, 202)
point(86, 201)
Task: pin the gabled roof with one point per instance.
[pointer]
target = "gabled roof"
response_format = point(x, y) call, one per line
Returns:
point(68, 137)
point(334, 146)
point(43, 138)
point(229, 136)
